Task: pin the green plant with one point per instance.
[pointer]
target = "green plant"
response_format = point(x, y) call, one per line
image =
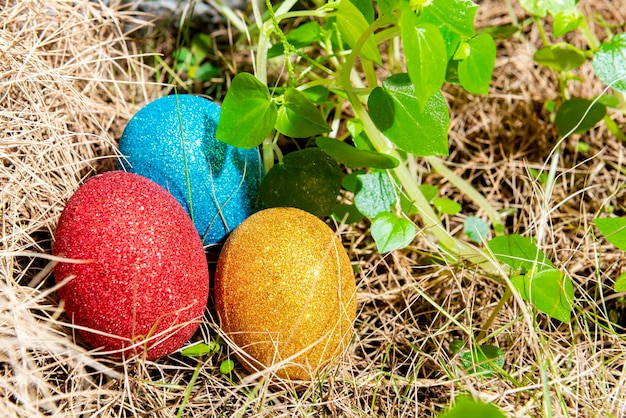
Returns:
point(614, 230)
point(483, 360)
point(573, 115)
point(360, 137)
point(192, 60)
point(580, 114)
point(466, 406)
point(395, 120)
point(199, 351)
point(533, 275)
point(330, 65)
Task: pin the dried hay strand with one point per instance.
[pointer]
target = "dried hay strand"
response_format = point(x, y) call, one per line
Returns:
point(68, 80)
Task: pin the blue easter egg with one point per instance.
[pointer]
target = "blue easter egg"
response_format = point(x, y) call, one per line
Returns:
point(172, 142)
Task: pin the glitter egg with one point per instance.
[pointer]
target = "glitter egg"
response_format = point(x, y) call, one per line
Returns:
point(172, 142)
point(285, 293)
point(144, 281)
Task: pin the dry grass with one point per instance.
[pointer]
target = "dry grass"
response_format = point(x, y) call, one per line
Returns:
point(69, 80)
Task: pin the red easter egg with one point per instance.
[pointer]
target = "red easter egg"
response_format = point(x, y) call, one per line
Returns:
point(145, 287)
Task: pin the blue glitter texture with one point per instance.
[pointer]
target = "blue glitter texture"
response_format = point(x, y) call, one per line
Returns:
point(223, 180)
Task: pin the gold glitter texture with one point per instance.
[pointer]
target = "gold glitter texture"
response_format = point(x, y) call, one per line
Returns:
point(285, 292)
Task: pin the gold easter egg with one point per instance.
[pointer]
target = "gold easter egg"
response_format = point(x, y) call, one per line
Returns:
point(285, 293)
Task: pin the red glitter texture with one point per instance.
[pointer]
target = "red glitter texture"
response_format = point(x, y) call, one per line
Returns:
point(149, 278)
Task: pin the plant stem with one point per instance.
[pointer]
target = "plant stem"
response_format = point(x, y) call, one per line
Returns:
point(454, 248)
point(230, 15)
point(483, 332)
point(185, 163)
point(261, 53)
point(511, 11)
point(542, 32)
point(285, 7)
point(268, 154)
point(287, 47)
point(590, 37)
point(370, 73)
point(470, 191)
point(194, 377)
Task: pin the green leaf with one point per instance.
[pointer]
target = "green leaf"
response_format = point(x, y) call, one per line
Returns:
point(579, 115)
point(614, 128)
point(248, 114)
point(468, 408)
point(298, 117)
point(558, 6)
point(502, 31)
point(451, 38)
point(543, 7)
point(205, 72)
point(456, 346)
point(395, 110)
point(355, 158)
point(346, 213)
point(425, 63)
point(566, 21)
point(609, 63)
point(303, 35)
point(609, 100)
point(359, 136)
point(614, 230)
point(561, 57)
point(462, 52)
point(519, 253)
point(407, 206)
point(308, 179)
point(374, 194)
point(447, 206)
point(475, 71)
point(201, 45)
point(535, 7)
point(317, 94)
point(366, 8)
point(351, 181)
point(201, 349)
point(476, 229)
point(483, 360)
point(458, 15)
point(429, 191)
point(620, 283)
point(387, 7)
point(392, 232)
point(227, 366)
point(352, 24)
point(549, 290)
point(183, 57)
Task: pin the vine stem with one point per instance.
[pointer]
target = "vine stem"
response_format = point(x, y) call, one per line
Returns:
point(260, 68)
point(487, 325)
point(454, 248)
point(189, 389)
point(471, 192)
